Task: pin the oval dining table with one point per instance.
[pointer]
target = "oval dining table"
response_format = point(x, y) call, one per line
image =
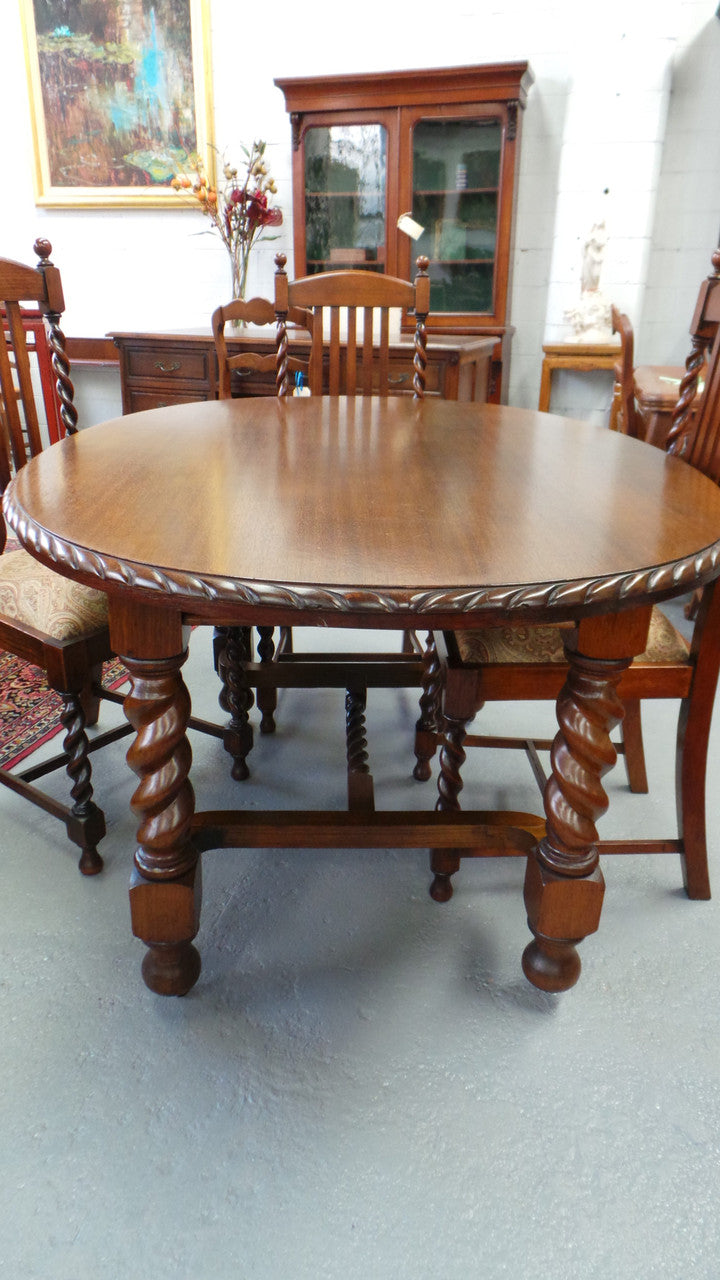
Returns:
point(366, 513)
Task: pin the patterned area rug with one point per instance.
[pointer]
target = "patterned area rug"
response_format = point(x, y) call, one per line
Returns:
point(29, 711)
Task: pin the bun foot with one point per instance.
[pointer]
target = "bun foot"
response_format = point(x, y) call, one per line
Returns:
point(441, 888)
point(171, 970)
point(90, 863)
point(239, 771)
point(422, 771)
point(551, 966)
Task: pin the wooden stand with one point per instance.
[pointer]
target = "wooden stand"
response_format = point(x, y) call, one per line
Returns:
point(582, 357)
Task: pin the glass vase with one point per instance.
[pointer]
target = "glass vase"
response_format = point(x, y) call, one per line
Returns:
point(239, 266)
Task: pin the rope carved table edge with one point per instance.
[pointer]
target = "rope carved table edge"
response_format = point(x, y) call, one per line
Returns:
point(586, 594)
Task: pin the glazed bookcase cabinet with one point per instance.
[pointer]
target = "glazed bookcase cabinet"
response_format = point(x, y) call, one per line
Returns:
point(440, 145)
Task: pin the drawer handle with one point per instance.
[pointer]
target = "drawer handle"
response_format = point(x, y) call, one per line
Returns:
point(396, 381)
point(167, 368)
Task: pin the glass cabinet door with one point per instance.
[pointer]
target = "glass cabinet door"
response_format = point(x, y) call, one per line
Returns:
point(345, 197)
point(456, 185)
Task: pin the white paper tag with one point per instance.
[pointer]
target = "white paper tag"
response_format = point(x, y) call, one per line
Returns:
point(409, 226)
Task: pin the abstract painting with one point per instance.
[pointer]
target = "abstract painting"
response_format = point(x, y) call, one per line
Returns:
point(120, 98)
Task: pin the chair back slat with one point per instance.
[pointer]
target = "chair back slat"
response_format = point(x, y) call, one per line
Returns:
point(351, 353)
point(9, 403)
point(39, 288)
point(366, 372)
point(356, 365)
point(25, 390)
point(334, 348)
point(384, 354)
point(316, 355)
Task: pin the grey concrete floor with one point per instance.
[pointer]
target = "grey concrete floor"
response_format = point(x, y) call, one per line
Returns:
point(362, 1085)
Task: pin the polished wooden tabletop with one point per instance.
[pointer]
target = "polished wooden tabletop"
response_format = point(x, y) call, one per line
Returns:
point(364, 509)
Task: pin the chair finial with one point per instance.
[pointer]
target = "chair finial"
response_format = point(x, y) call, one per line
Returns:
point(43, 249)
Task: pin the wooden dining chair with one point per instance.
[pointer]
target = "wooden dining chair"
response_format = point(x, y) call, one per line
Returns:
point(232, 646)
point(351, 333)
point(349, 317)
point(45, 619)
point(623, 415)
point(509, 664)
point(232, 363)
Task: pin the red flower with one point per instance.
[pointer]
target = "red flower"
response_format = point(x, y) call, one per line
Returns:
point(239, 207)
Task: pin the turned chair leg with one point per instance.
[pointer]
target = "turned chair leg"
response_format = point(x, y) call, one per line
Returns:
point(85, 822)
point(219, 642)
point(220, 639)
point(236, 699)
point(266, 694)
point(690, 788)
point(427, 726)
point(693, 736)
point(458, 709)
point(90, 695)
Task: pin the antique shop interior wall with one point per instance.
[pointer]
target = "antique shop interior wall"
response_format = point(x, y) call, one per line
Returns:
point(624, 109)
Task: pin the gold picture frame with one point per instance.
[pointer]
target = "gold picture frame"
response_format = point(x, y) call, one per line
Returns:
point(113, 119)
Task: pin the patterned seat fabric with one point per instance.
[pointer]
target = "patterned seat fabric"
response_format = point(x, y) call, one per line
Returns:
point(542, 644)
point(40, 598)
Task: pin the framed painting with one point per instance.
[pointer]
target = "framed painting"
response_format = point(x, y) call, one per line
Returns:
point(120, 96)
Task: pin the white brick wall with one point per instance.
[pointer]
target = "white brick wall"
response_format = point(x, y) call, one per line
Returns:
point(626, 97)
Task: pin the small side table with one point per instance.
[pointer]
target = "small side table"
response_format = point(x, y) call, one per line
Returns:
point(580, 356)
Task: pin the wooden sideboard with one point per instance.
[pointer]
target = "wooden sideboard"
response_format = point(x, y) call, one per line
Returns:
point(159, 369)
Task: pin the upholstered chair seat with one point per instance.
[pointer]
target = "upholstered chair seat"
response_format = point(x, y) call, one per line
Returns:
point(504, 645)
point(39, 598)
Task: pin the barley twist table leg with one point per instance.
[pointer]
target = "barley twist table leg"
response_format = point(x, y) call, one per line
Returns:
point(165, 887)
point(563, 884)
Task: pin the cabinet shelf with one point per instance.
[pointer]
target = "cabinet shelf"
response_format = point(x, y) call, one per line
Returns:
point(461, 262)
point(345, 195)
point(456, 191)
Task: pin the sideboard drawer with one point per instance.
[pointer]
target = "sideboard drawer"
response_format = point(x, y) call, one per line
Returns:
point(160, 362)
point(137, 400)
point(402, 372)
point(399, 378)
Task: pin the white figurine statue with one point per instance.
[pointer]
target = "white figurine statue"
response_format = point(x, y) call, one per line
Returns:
point(590, 319)
point(593, 255)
